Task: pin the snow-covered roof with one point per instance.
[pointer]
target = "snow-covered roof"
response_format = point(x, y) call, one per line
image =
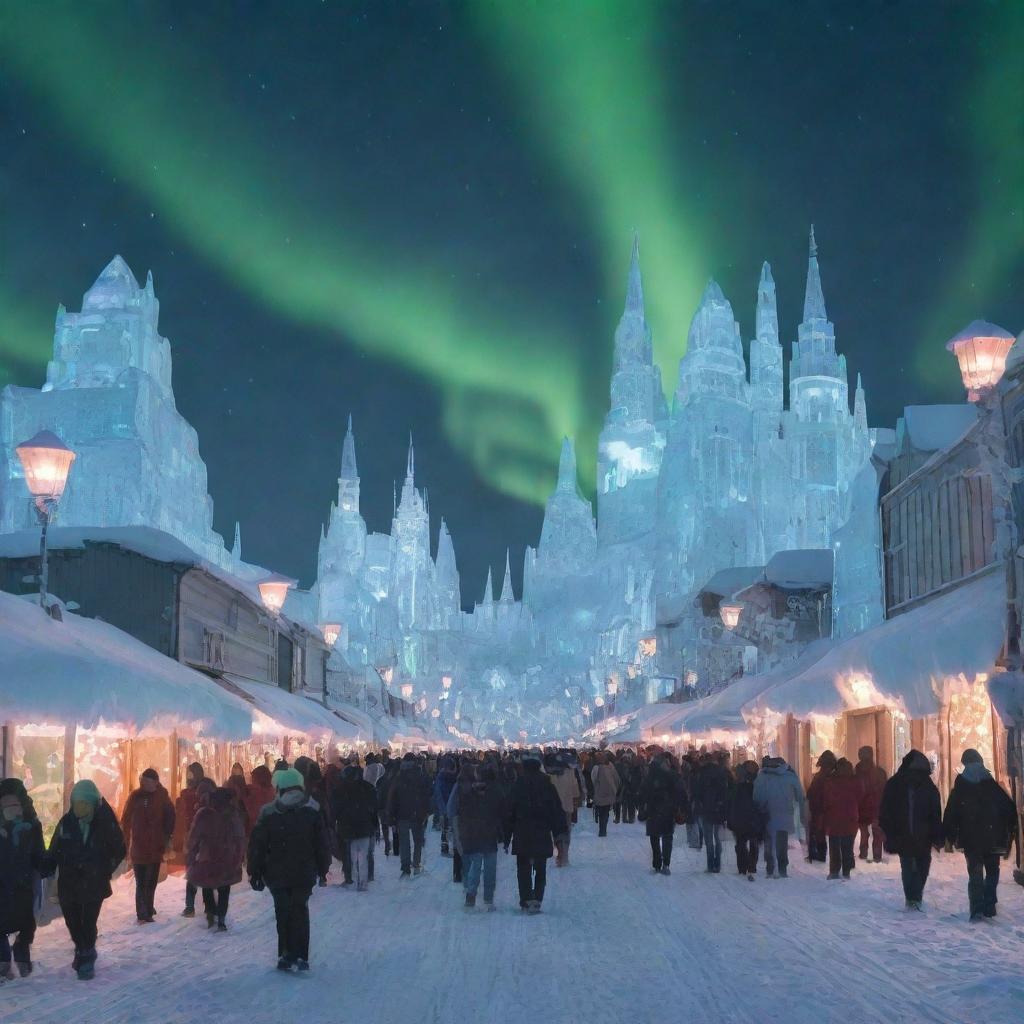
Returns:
point(1006, 690)
point(85, 672)
point(279, 713)
point(803, 567)
point(727, 582)
point(902, 660)
point(931, 428)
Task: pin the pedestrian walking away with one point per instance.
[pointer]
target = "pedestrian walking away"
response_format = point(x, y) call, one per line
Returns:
point(710, 789)
point(841, 803)
point(780, 798)
point(289, 853)
point(21, 864)
point(214, 852)
point(872, 779)
point(662, 805)
point(148, 826)
point(534, 818)
point(409, 805)
point(746, 821)
point(980, 820)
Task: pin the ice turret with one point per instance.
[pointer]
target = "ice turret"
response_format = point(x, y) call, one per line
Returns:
point(568, 538)
point(567, 468)
point(115, 288)
point(507, 597)
point(348, 479)
point(860, 409)
point(633, 336)
point(446, 572)
point(767, 316)
point(236, 548)
point(488, 598)
point(766, 362)
point(814, 298)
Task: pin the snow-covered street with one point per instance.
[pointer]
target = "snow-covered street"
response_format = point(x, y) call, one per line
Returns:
point(615, 943)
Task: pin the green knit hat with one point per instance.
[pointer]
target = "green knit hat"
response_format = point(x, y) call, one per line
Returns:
point(85, 789)
point(288, 778)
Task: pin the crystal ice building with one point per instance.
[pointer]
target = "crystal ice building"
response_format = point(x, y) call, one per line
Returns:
point(108, 395)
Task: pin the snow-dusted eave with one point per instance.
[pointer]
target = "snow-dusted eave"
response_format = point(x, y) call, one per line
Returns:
point(940, 455)
point(905, 661)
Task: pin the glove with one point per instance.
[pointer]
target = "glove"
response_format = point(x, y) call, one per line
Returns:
point(257, 883)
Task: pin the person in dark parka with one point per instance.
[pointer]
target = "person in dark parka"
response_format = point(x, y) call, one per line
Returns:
point(981, 820)
point(21, 861)
point(711, 806)
point(745, 821)
point(354, 812)
point(872, 779)
point(147, 822)
point(409, 803)
point(185, 808)
point(214, 851)
point(476, 811)
point(534, 819)
point(85, 851)
point(289, 851)
point(910, 815)
point(817, 840)
point(843, 793)
point(662, 802)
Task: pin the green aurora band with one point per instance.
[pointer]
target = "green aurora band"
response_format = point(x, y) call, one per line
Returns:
point(511, 389)
point(600, 110)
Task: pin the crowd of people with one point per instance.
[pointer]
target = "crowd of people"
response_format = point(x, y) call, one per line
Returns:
point(286, 827)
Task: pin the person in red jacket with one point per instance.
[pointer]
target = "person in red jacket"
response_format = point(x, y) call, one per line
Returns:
point(148, 825)
point(816, 839)
point(214, 852)
point(197, 789)
point(260, 793)
point(872, 779)
point(841, 801)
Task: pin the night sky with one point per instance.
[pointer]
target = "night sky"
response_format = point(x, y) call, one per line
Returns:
point(421, 214)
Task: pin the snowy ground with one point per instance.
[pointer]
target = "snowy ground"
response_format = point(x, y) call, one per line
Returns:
point(615, 944)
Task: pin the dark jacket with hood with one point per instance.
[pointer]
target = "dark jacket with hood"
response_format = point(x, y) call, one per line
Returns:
point(444, 783)
point(910, 813)
point(842, 800)
point(86, 864)
point(872, 780)
point(410, 796)
point(816, 793)
point(662, 798)
point(259, 793)
point(21, 861)
point(711, 792)
point(186, 805)
point(354, 805)
point(479, 807)
point(535, 814)
point(216, 842)
point(745, 817)
point(289, 847)
point(980, 817)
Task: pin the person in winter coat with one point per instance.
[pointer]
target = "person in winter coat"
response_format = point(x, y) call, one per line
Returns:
point(745, 821)
point(570, 795)
point(85, 851)
point(185, 808)
point(842, 802)
point(711, 806)
point(476, 806)
point(981, 820)
point(21, 862)
point(373, 770)
point(240, 790)
point(606, 789)
point(354, 811)
point(213, 853)
point(444, 783)
point(147, 822)
point(662, 801)
point(910, 815)
point(387, 826)
point(632, 772)
point(872, 780)
point(817, 840)
point(409, 802)
point(780, 798)
point(534, 817)
point(289, 851)
point(258, 794)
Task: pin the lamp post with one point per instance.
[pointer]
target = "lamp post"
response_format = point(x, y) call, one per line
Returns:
point(980, 349)
point(274, 591)
point(46, 460)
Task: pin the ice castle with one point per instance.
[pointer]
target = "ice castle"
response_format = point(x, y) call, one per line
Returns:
point(725, 477)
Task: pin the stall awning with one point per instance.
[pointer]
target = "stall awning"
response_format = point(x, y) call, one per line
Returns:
point(277, 712)
point(87, 673)
point(904, 660)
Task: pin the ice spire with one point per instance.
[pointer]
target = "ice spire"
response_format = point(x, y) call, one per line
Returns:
point(860, 408)
point(814, 300)
point(236, 548)
point(567, 467)
point(349, 470)
point(488, 590)
point(507, 597)
point(410, 466)
point(767, 319)
point(635, 286)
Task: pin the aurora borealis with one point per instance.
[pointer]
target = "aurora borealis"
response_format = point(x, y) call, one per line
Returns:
point(421, 213)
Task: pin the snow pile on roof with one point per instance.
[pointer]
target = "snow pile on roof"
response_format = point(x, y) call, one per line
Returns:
point(727, 582)
point(930, 428)
point(805, 567)
point(903, 660)
point(85, 672)
point(280, 713)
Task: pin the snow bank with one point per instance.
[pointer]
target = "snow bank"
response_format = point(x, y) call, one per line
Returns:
point(85, 672)
point(806, 567)
point(903, 660)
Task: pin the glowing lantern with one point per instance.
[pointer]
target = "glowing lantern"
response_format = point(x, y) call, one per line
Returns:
point(446, 682)
point(980, 349)
point(435, 713)
point(730, 614)
point(331, 632)
point(46, 460)
point(612, 687)
point(273, 591)
point(599, 702)
point(407, 690)
point(648, 647)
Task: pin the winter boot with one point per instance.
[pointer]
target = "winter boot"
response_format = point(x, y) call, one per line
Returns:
point(221, 925)
point(6, 973)
point(665, 870)
point(284, 963)
point(189, 912)
point(87, 965)
point(470, 900)
point(489, 904)
point(301, 965)
point(533, 907)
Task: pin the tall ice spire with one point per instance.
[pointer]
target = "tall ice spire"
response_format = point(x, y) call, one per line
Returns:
point(507, 597)
point(860, 409)
point(488, 589)
point(410, 465)
point(767, 318)
point(814, 300)
point(567, 467)
point(635, 286)
point(349, 470)
point(236, 548)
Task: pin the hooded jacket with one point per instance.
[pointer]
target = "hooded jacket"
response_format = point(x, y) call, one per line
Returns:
point(872, 779)
point(662, 798)
point(534, 814)
point(85, 864)
point(147, 822)
point(816, 792)
point(289, 847)
point(710, 792)
point(410, 796)
point(444, 783)
point(607, 784)
point(842, 801)
point(353, 805)
point(567, 786)
point(779, 796)
point(186, 805)
point(745, 817)
point(259, 793)
point(910, 813)
point(980, 817)
point(216, 843)
point(478, 807)
point(21, 862)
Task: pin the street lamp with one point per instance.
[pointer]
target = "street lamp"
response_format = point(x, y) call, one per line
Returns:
point(730, 614)
point(980, 349)
point(274, 590)
point(331, 631)
point(46, 460)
